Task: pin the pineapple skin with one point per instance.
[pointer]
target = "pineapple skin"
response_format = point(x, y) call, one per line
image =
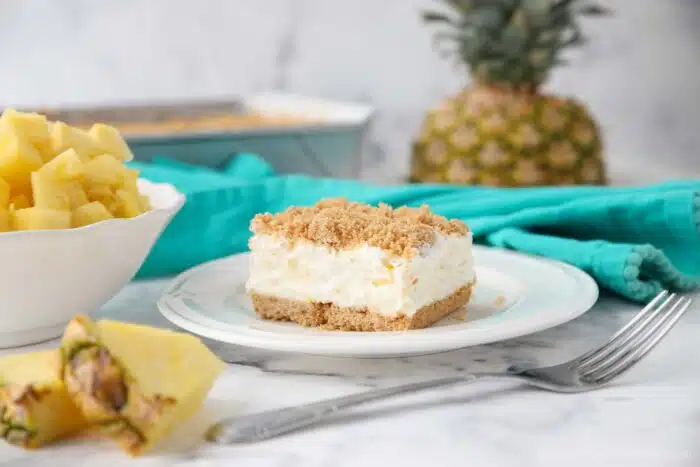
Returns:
point(166, 374)
point(500, 137)
point(35, 405)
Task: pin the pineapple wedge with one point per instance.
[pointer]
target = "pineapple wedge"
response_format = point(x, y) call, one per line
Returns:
point(35, 407)
point(136, 382)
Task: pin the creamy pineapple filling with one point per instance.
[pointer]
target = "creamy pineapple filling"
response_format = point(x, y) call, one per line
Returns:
point(363, 276)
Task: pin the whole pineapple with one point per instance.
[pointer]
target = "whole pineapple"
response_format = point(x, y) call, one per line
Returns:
point(503, 131)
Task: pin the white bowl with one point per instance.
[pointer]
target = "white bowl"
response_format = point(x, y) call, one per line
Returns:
point(49, 276)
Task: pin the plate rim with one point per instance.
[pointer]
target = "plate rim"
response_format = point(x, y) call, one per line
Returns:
point(587, 295)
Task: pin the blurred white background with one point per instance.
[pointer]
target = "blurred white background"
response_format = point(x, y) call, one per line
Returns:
point(640, 74)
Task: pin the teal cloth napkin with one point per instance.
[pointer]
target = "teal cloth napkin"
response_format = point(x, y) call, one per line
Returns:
point(633, 240)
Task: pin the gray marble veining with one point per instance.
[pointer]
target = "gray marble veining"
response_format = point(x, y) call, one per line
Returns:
point(650, 418)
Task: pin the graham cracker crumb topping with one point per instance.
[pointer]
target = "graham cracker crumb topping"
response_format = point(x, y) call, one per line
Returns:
point(340, 224)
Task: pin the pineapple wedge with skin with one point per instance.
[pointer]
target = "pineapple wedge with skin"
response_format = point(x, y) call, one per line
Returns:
point(136, 382)
point(35, 407)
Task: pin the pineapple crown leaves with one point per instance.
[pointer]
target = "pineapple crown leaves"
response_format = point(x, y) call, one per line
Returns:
point(511, 42)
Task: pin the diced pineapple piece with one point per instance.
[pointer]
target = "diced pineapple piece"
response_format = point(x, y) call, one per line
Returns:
point(90, 213)
point(49, 170)
point(66, 137)
point(18, 158)
point(4, 193)
point(5, 225)
point(145, 203)
point(99, 192)
point(20, 202)
point(37, 218)
point(104, 169)
point(130, 181)
point(33, 126)
point(109, 138)
point(65, 166)
point(129, 203)
point(104, 194)
point(136, 382)
point(53, 194)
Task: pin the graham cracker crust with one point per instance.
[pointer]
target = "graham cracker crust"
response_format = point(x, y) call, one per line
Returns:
point(333, 317)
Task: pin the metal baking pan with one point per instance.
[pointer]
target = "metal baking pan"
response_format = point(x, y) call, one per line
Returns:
point(295, 134)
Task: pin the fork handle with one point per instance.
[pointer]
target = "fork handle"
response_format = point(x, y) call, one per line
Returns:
point(264, 425)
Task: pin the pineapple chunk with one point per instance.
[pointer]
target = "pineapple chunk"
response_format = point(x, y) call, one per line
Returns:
point(36, 408)
point(5, 225)
point(37, 218)
point(52, 194)
point(105, 195)
point(65, 137)
point(129, 203)
point(48, 170)
point(65, 166)
point(105, 170)
point(90, 213)
point(145, 203)
point(33, 126)
point(20, 202)
point(109, 138)
point(18, 158)
point(4, 193)
point(130, 181)
point(147, 379)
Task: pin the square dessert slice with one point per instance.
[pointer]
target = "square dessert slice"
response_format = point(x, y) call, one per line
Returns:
point(353, 267)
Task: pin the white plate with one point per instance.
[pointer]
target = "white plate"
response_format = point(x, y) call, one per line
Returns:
point(515, 295)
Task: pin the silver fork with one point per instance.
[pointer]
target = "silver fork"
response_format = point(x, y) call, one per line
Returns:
point(584, 373)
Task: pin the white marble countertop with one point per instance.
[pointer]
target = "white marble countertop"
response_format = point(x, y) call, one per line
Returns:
point(650, 418)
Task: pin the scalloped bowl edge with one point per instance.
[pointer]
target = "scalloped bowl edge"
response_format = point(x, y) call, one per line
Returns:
point(49, 276)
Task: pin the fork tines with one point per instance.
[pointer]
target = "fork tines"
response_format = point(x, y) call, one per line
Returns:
point(634, 341)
